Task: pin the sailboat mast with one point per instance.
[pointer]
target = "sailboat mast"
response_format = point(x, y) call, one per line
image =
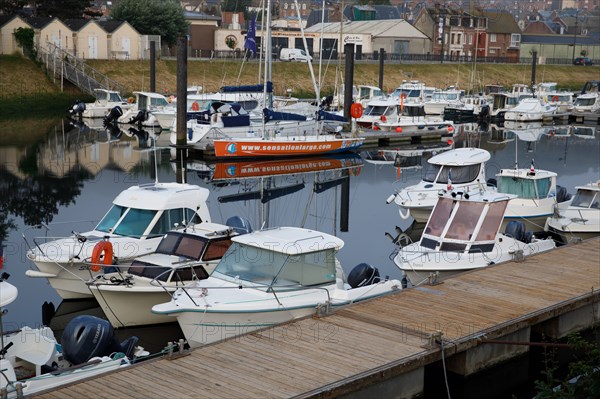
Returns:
point(268, 59)
point(310, 67)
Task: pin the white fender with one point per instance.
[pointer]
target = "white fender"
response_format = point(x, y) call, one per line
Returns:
point(404, 216)
point(214, 118)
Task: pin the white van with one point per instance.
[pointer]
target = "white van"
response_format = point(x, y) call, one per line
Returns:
point(294, 54)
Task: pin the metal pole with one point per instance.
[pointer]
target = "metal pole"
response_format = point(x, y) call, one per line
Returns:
point(152, 66)
point(345, 203)
point(348, 78)
point(381, 55)
point(181, 90)
point(533, 67)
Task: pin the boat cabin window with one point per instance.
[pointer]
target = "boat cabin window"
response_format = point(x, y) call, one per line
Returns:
point(491, 224)
point(158, 102)
point(181, 244)
point(512, 100)
point(586, 102)
point(270, 268)
point(216, 249)
point(458, 174)
point(524, 188)
point(464, 221)
point(115, 97)
point(148, 270)
point(135, 222)
point(172, 217)
point(375, 110)
point(111, 218)
point(439, 217)
point(585, 199)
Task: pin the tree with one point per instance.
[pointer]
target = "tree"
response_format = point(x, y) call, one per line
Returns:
point(235, 5)
point(153, 17)
point(63, 9)
point(8, 7)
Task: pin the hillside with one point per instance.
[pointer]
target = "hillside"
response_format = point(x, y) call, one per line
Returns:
point(20, 77)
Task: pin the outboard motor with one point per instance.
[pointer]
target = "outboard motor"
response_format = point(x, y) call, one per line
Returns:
point(561, 194)
point(485, 111)
point(77, 108)
point(516, 230)
point(239, 224)
point(86, 337)
point(362, 275)
point(113, 115)
point(141, 116)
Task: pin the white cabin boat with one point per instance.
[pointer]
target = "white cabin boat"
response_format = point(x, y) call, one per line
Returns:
point(459, 169)
point(529, 110)
point(587, 103)
point(379, 110)
point(292, 273)
point(105, 101)
point(579, 218)
point(181, 257)
point(463, 234)
point(442, 99)
point(132, 227)
point(141, 112)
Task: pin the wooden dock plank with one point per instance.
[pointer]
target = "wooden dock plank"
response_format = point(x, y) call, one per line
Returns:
point(365, 336)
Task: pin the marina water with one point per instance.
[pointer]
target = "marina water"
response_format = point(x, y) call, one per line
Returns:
point(64, 180)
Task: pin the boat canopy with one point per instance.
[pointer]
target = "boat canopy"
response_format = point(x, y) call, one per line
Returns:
point(525, 184)
point(270, 115)
point(247, 88)
point(462, 225)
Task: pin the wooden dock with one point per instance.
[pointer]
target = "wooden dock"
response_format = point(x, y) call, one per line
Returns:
point(378, 341)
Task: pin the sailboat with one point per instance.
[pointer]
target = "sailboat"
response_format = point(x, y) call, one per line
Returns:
point(272, 142)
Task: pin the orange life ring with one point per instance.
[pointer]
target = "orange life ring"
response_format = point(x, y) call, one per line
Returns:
point(555, 99)
point(130, 100)
point(102, 248)
point(195, 106)
point(383, 118)
point(356, 110)
point(403, 96)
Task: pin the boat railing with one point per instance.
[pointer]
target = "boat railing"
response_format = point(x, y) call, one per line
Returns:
point(411, 195)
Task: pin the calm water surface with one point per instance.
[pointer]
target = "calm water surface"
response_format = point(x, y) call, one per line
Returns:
point(67, 176)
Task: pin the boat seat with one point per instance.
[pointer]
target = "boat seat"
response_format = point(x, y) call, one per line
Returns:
point(34, 347)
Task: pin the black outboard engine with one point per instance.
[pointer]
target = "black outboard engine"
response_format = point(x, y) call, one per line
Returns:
point(113, 115)
point(362, 275)
point(516, 230)
point(485, 111)
point(77, 108)
point(561, 194)
point(239, 224)
point(86, 337)
point(141, 116)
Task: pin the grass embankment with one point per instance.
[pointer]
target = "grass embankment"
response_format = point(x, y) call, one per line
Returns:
point(26, 91)
point(212, 74)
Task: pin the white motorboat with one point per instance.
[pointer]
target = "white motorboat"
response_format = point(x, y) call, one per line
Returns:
point(132, 227)
point(181, 257)
point(379, 110)
point(442, 99)
point(463, 234)
point(105, 101)
point(537, 194)
point(411, 120)
point(141, 113)
point(588, 103)
point(579, 218)
point(32, 361)
point(269, 277)
point(529, 110)
point(458, 169)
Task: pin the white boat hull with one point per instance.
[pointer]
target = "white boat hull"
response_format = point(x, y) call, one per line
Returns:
point(422, 265)
point(127, 306)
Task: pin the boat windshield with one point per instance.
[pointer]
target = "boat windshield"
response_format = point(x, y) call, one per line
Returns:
point(585, 102)
point(134, 222)
point(114, 97)
point(524, 188)
point(265, 267)
point(375, 110)
point(150, 271)
point(458, 174)
point(586, 199)
point(108, 222)
point(512, 100)
point(463, 232)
